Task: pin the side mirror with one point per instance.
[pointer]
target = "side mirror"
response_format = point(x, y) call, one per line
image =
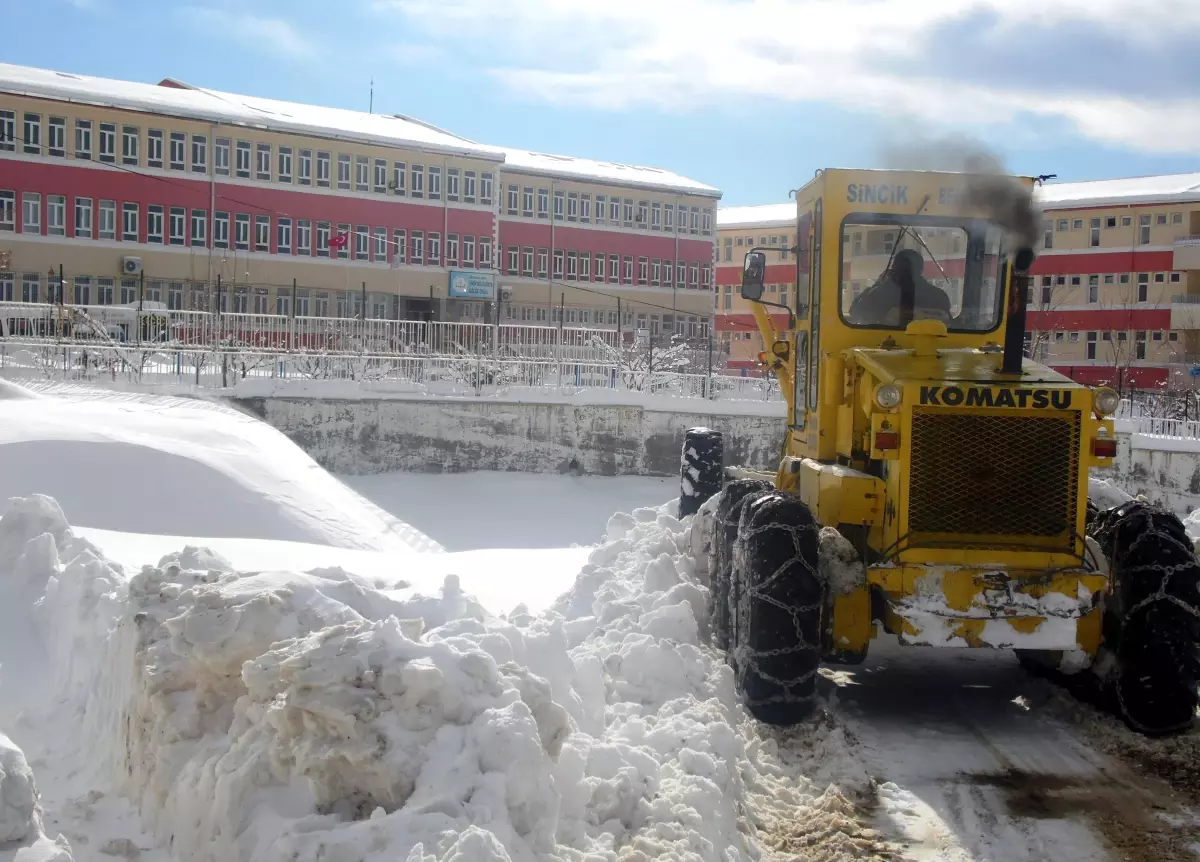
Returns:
point(754, 271)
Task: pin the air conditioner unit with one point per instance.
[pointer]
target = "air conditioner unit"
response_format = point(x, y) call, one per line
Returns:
point(131, 265)
point(506, 293)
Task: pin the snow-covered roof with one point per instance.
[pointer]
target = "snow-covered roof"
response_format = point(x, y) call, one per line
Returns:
point(765, 215)
point(1168, 188)
point(177, 98)
point(571, 168)
point(182, 100)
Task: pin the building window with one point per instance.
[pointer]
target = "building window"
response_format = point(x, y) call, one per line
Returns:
point(56, 141)
point(485, 252)
point(1110, 221)
point(1093, 293)
point(627, 269)
point(129, 222)
point(199, 154)
point(343, 171)
point(1144, 230)
point(559, 208)
point(33, 134)
point(514, 254)
point(322, 239)
point(262, 167)
point(56, 215)
point(221, 230)
point(468, 251)
point(573, 207)
point(418, 248)
point(8, 211)
point(178, 144)
point(399, 246)
point(643, 276)
point(643, 215)
point(485, 188)
point(527, 201)
point(451, 249)
point(1094, 233)
point(514, 196)
point(154, 224)
point(627, 212)
point(221, 156)
point(304, 237)
point(452, 184)
point(585, 208)
point(543, 263)
point(381, 242)
point(177, 226)
point(1143, 287)
point(243, 159)
point(304, 177)
point(322, 169)
point(108, 142)
point(669, 218)
point(380, 176)
point(527, 261)
point(200, 228)
point(241, 232)
point(468, 187)
point(668, 273)
point(543, 209)
point(83, 218)
point(416, 185)
point(8, 132)
point(433, 251)
point(399, 174)
point(1091, 345)
point(283, 236)
point(31, 212)
point(285, 164)
point(82, 290)
point(83, 137)
point(362, 173)
point(435, 183)
point(598, 270)
point(262, 233)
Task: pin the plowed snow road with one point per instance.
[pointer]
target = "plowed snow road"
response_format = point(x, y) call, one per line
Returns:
point(967, 771)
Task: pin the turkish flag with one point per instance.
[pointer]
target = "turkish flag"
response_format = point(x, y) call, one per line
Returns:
point(340, 241)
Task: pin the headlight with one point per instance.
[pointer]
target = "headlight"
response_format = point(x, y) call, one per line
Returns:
point(1105, 401)
point(887, 396)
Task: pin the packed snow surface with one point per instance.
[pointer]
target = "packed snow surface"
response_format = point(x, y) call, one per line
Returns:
point(175, 466)
point(307, 715)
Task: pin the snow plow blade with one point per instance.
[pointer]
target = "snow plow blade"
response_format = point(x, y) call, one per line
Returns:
point(974, 607)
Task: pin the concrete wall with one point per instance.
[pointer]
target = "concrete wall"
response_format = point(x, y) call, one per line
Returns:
point(362, 436)
point(1164, 469)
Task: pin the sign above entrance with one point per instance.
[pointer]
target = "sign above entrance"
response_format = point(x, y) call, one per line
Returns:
point(465, 284)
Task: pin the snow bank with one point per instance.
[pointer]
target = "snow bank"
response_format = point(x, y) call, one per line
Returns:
point(104, 455)
point(305, 716)
point(21, 835)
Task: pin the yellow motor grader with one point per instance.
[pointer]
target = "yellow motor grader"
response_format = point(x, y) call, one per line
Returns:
point(933, 481)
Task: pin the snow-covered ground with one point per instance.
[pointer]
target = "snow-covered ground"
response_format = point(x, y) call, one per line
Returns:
point(360, 700)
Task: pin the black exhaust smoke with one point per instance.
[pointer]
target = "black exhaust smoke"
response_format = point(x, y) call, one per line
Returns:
point(1005, 201)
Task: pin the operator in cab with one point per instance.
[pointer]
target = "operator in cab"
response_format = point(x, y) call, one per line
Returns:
point(882, 304)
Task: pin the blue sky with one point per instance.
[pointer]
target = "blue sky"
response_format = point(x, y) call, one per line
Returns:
point(751, 96)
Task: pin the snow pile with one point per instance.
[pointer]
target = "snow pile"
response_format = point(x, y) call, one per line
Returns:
point(306, 716)
point(1105, 494)
point(21, 835)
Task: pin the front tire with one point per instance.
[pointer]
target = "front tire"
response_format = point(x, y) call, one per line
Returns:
point(780, 600)
point(724, 534)
point(1152, 617)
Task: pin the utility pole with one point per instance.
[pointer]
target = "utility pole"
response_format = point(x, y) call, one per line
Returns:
point(371, 103)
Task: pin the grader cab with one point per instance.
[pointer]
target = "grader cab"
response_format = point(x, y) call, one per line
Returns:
point(933, 481)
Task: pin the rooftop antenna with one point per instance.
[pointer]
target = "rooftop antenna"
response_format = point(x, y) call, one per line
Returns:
point(371, 103)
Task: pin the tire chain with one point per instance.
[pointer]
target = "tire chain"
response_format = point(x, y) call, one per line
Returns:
point(1105, 530)
point(751, 658)
point(722, 550)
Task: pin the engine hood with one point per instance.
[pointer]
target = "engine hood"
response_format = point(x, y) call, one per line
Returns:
point(956, 365)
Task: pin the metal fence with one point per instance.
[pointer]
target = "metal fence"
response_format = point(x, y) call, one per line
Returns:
point(480, 374)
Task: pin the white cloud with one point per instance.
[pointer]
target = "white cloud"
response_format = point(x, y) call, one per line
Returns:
point(269, 34)
point(869, 55)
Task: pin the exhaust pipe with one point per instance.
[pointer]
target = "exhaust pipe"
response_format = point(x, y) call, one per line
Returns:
point(1018, 293)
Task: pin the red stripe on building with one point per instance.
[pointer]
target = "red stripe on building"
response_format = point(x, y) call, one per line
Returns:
point(1124, 378)
point(1100, 319)
point(781, 273)
point(745, 322)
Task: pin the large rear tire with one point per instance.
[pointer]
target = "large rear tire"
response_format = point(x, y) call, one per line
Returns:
point(780, 600)
point(724, 534)
point(1152, 617)
point(701, 468)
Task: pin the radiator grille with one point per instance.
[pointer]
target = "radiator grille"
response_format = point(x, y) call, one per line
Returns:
point(994, 474)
